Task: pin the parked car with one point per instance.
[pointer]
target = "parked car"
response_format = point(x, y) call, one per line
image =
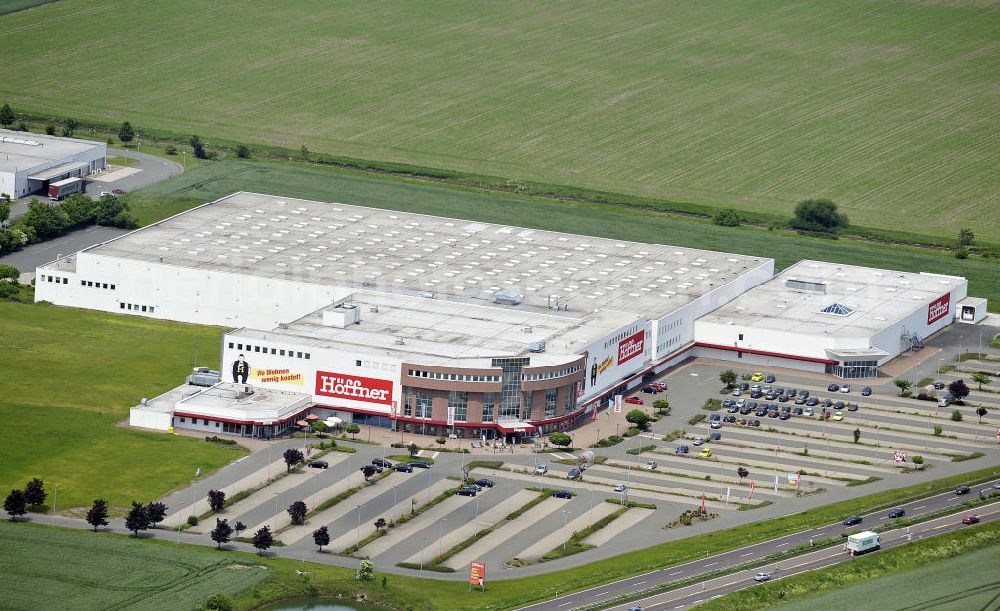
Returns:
point(804, 393)
point(562, 494)
point(733, 409)
point(660, 386)
point(381, 462)
point(744, 385)
point(649, 465)
point(970, 519)
point(838, 416)
point(852, 407)
point(619, 487)
point(574, 474)
point(938, 385)
point(801, 401)
point(808, 411)
point(798, 411)
point(762, 576)
point(761, 412)
point(404, 468)
point(634, 401)
point(729, 419)
point(812, 402)
point(420, 464)
point(757, 377)
point(827, 403)
point(745, 410)
point(466, 491)
point(897, 513)
point(104, 193)
point(852, 520)
point(833, 387)
point(846, 388)
point(715, 424)
point(769, 378)
point(118, 191)
point(740, 403)
point(793, 392)
point(541, 469)
point(705, 452)
point(319, 464)
point(697, 441)
point(785, 416)
point(714, 417)
point(756, 394)
point(484, 482)
point(962, 490)
point(681, 450)
point(839, 405)
point(866, 391)
point(650, 390)
point(715, 435)
point(783, 398)
point(737, 392)
point(754, 423)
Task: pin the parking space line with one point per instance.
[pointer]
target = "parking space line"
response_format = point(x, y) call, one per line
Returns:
point(782, 544)
point(602, 593)
point(711, 564)
point(747, 554)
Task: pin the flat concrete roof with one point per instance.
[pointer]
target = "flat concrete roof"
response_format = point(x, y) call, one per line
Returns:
point(354, 246)
point(445, 332)
point(871, 299)
point(24, 150)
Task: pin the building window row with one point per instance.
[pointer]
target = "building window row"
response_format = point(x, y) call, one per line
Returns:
point(670, 343)
point(97, 285)
point(55, 279)
point(456, 377)
point(132, 307)
point(551, 374)
point(295, 354)
point(671, 325)
point(611, 341)
point(459, 401)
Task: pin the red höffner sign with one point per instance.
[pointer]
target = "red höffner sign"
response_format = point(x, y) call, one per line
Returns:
point(354, 388)
point(939, 308)
point(631, 347)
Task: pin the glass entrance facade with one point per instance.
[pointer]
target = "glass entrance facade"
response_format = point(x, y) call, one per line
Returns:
point(856, 369)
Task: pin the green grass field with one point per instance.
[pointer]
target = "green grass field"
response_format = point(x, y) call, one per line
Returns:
point(10, 6)
point(69, 377)
point(214, 180)
point(890, 109)
point(100, 571)
point(956, 583)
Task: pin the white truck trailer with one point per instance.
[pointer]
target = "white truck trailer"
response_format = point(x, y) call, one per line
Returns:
point(862, 543)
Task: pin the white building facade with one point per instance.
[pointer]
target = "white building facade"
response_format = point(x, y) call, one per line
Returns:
point(30, 162)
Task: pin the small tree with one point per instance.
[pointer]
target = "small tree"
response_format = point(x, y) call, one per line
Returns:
point(639, 418)
point(903, 385)
point(918, 460)
point(978, 377)
point(353, 429)
point(293, 457)
point(728, 377)
point(956, 415)
point(239, 527)
point(216, 500)
point(318, 427)
point(966, 237)
point(440, 441)
point(219, 602)
point(243, 151)
point(262, 539)
point(126, 133)
point(857, 435)
point(381, 524)
point(368, 471)
point(937, 430)
point(155, 512)
point(727, 217)
point(15, 504)
point(97, 515)
point(981, 411)
point(297, 511)
point(818, 215)
point(4, 209)
point(662, 406)
point(222, 532)
point(742, 473)
point(34, 493)
point(321, 537)
point(560, 439)
point(412, 449)
point(6, 116)
point(959, 390)
point(50, 130)
point(137, 518)
point(366, 572)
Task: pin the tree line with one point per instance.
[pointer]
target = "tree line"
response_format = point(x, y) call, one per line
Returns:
point(44, 221)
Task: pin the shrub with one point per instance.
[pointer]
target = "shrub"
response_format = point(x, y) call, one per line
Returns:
point(727, 217)
point(918, 460)
point(243, 152)
point(192, 520)
point(956, 416)
point(219, 602)
point(961, 252)
point(440, 441)
point(937, 430)
point(170, 150)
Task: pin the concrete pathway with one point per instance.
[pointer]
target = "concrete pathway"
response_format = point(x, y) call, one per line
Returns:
point(502, 535)
point(281, 520)
point(551, 541)
point(697, 482)
point(427, 518)
point(619, 525)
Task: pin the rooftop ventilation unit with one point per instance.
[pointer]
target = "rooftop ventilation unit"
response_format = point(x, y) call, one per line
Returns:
point(536, 347)
point(507, 297)
point(341, 316)
point(805, 285)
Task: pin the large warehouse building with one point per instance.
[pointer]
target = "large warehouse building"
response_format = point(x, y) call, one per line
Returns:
point(430, 323)
point(445, 326)
point(30, 162)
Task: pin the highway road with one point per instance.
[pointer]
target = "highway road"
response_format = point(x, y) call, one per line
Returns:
point(691, 595)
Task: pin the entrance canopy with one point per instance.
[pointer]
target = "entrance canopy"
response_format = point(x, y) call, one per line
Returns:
point(60, 170)
point(515, 426)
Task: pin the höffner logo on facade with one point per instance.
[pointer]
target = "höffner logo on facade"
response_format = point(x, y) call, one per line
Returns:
point(354, 388)
point(631, 347)
point(939, 308)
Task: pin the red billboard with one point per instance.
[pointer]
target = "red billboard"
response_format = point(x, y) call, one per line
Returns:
point(939, 308)
point(631, 347)
point(354, 388)
point(477, 573)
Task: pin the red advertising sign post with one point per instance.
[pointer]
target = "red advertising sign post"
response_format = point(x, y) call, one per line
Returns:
point(354, 388)
point(477, 574)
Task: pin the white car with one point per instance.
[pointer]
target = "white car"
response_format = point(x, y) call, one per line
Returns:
point(697, 441)
point(808, 411)
point(541, 469)
point(619, 487)
point(104, 193)
point(650, 465)
point(762, 576)
point(845, 388)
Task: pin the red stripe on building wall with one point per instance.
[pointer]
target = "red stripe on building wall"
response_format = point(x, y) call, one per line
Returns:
point(794, 357)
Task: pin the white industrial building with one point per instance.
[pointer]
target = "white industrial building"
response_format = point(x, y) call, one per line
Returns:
point(412, 321)
point(30, 162)
point(835, 318)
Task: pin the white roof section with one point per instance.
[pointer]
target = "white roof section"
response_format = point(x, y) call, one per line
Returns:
point(25, 150)
point(449, 333)
point(228, 401)
point(354, 246)
point(857, 300)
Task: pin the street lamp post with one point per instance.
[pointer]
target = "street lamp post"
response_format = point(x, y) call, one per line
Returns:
point(54, 499)
point(441, 535)
point(564, 528)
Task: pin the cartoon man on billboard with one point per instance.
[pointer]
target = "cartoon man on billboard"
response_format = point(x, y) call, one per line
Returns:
point(241, 370)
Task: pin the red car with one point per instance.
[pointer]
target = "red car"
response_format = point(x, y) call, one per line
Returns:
point(634, 401)
point(118, 191)
point(660, 387)
point(970, 519)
